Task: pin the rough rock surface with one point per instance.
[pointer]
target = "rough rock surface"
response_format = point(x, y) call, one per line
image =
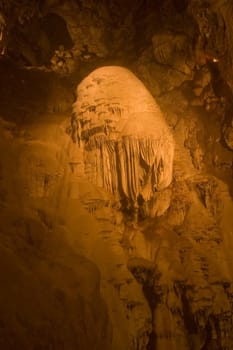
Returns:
point(49, 295)
point(128, 146)
point(77, 269)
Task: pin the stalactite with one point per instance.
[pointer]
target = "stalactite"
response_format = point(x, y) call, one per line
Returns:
point(121, 126)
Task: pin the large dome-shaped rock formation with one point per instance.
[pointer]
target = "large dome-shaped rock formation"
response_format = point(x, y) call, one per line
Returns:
point(128, 147)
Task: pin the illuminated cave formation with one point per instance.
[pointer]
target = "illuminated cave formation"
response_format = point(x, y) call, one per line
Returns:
point(128, 148)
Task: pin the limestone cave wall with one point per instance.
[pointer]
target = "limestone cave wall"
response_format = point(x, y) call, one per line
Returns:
point(116, 175)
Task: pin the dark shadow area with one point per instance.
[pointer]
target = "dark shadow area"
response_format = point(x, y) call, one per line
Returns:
point(56, 30)
point(26, 93)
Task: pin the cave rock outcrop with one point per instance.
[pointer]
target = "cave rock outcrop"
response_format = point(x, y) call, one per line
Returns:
point(128, 148)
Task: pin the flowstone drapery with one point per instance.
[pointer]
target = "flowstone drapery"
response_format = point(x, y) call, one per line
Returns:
point(128, 148)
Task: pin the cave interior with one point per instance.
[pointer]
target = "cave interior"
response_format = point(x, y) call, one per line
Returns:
point(116, 175)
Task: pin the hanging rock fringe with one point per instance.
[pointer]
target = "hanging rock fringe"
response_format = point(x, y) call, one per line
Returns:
point(128, 148)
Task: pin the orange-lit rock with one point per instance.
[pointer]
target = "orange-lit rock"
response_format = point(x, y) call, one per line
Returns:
point(128, 148)
point(77, 271)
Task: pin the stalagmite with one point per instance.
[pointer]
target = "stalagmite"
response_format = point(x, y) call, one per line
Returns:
point(128, 148)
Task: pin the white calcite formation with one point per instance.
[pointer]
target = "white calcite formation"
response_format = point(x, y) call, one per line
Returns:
point(128, 148)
